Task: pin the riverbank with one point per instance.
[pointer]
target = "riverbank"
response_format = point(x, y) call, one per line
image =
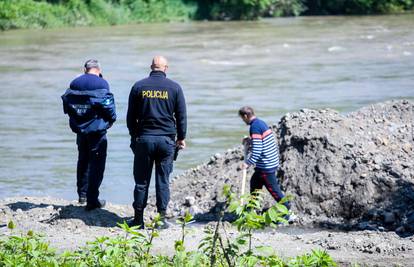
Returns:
point(351, 177)
point(16, 14)
point(67, 226)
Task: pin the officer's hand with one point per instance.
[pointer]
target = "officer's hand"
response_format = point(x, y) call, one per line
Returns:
point(180, 144)
point(244, 166)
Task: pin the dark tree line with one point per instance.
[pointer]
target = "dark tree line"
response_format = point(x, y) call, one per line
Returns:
point(252, 9)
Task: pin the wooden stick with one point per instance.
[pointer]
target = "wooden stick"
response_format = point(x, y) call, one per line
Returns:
point(243, 185)
point(246, 145)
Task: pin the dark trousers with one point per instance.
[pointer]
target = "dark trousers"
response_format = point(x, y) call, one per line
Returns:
point(149, 150)
point(91, 164)
point(269, 180)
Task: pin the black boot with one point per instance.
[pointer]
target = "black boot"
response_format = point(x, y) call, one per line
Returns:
point(98, 204)
point(138, 219)
point(164, 223)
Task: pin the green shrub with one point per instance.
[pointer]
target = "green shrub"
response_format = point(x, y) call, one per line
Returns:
point(159, 10)
point(26, 250)
point(29, 14)
point(54, 13)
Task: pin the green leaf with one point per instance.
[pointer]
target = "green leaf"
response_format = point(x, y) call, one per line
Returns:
point(273, 214)
point(155, 234)
point(233, 206)
point(226, 190)
point(265, 250)
point(11, 225)
point(281, 208)
point(241, 241)
point(188, 217)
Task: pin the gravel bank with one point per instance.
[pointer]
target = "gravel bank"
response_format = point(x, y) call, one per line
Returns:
point(67, 226)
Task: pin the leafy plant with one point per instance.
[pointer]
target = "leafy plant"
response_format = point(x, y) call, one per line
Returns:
point(183, 221)
point(28, 248)
point(317, 258)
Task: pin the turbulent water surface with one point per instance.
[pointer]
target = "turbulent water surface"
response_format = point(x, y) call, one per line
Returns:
point(276, 66)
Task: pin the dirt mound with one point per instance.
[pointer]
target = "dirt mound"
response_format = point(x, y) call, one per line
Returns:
point(354, 169)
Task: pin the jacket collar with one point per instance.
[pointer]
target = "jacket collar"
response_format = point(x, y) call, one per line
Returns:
point(158, 73)
point(250, 123)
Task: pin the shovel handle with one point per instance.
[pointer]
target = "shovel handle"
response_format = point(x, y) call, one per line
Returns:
point(243, 184)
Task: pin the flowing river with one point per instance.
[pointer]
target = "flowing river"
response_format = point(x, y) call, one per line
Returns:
point(276, 66)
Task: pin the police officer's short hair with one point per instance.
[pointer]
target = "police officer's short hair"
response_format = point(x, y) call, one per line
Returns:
point(246, 110)
point(92, 64)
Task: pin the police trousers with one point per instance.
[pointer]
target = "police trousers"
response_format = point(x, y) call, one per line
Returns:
point(91, 164)
point(150, 149)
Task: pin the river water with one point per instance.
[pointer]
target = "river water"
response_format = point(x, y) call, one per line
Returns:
point(275, 65)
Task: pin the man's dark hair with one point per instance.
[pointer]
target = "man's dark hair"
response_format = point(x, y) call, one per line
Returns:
point(246, 110)
point(92, 64)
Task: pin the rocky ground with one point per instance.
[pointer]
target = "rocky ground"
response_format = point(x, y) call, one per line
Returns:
point(352, 173)
point(67, 226)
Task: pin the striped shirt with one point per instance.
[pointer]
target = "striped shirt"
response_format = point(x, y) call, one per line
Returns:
point(265, 152)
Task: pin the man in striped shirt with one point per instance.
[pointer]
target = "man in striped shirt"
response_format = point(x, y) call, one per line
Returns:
point(264, 155)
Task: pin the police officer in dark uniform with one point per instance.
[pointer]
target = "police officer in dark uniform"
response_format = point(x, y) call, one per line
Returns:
point(91, 109)
point(156, 116)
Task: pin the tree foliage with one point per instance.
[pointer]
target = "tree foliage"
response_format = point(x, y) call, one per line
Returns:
point(248, 9)
point(336, 7)
point(57, 13)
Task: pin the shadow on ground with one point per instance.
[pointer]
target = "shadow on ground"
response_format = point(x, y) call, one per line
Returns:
point(97, 217)
point(396, 216)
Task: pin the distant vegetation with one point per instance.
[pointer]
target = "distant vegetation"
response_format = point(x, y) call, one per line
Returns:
point(357, 7)
point(55, 13)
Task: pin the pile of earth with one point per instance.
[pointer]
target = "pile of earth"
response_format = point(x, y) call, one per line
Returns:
point(354, 170)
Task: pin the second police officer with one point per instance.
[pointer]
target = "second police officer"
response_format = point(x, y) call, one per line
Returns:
point(157, 124)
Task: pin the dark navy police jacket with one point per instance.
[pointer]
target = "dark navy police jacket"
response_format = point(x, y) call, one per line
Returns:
point(157, 107)
point(89, 104)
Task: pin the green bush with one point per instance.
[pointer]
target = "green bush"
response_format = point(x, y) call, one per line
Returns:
point(159, 10)
point(55, 13)
point(29, 14)
point(26, 250)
